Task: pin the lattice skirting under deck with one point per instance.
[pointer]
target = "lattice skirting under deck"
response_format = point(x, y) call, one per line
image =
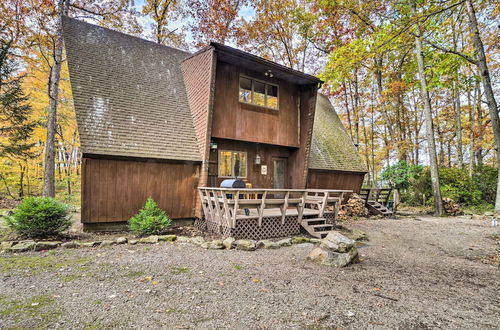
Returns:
point(330, 218)
point(249, 229)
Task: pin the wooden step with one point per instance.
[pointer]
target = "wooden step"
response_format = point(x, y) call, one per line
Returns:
point(325, 225)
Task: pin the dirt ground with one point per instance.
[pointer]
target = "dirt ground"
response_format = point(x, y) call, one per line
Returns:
point(415, 274)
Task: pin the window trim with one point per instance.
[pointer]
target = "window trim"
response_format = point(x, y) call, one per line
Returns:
point(265, 92)
point(232, 165)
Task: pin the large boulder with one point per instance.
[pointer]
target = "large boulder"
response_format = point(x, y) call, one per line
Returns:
point(335, 250)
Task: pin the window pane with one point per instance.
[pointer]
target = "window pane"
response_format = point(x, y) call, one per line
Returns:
point(259, 91)
point(272, 96)
point(245, 90)
point(240, 164)
point(225, 163)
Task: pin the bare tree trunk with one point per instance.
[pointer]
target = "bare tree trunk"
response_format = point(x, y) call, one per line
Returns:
point(55, 73)
point(438, 203)
point(488, 90)
point(472, 137)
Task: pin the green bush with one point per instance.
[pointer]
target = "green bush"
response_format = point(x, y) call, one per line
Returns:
point(39, 217)
point(485, 178)
point(150, 220)
point(476, 191)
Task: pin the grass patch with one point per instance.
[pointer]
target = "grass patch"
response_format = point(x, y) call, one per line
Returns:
point(134, 274)
point(38, 311)
point(37, 263)
point(237, 267)
point(179, 270)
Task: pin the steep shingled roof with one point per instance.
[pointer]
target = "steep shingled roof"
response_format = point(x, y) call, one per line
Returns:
point(129, 95)
point(331, 147)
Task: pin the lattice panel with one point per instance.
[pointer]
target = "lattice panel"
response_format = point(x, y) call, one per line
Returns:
point(200, 224)
point(271, 227)
point(330, 218)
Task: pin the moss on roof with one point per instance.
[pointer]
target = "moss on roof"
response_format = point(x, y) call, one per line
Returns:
point(332, 147)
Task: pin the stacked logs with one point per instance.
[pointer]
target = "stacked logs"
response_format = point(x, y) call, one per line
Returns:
point(451, 207)
point(355, 207)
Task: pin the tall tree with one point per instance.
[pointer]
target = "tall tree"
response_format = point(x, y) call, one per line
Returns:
point(49, 189)
point(163, 13)
point(214, 20)
point(431, 144)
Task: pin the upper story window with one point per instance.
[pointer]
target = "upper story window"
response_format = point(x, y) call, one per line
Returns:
point(259, 93)
point(232, 164)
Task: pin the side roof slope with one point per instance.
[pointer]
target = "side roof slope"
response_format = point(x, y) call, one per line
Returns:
point(331, 146)
point(129, 95)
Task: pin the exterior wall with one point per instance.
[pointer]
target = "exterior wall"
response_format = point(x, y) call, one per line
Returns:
point(199, 78)
point(244, 122)
point(320, 179)
point(254, 176)
point(299, 159)
point(114, 190)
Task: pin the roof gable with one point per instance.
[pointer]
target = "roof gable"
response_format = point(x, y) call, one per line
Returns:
point(129, 95)
point(331, 146)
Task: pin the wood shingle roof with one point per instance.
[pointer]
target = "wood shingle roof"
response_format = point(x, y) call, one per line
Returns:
point(331, 146)
point(129, 95)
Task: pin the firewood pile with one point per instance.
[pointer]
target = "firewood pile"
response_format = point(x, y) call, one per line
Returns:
point(451, 207)
point(355, 207)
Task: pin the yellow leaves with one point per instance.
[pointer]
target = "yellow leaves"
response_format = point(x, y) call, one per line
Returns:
point(255, 280)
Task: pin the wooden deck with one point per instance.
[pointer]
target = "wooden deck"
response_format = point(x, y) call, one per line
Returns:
point(270, 212)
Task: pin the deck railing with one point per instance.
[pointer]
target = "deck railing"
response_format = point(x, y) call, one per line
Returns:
point(225, 205)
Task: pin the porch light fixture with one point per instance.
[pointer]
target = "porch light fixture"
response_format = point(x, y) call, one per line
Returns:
point(257, 160)
point(269, 74)
point(213, 145)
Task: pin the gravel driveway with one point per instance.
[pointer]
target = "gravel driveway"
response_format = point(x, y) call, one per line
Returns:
point(426, 273)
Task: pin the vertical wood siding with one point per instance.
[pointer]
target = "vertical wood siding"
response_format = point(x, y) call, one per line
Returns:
point(239, 121)
point(114, 190)
point(335, 180)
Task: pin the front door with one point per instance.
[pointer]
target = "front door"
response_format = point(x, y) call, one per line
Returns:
point(279, 173)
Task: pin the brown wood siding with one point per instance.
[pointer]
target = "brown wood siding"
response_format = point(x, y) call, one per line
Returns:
point(299, 158)
point(335, 180)
point(254, 176)
point(239, 121)
point(114, 190)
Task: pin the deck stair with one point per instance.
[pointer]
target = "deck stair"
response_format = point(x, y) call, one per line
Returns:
point(376, 199)
point(316, 227)
point(378, 209)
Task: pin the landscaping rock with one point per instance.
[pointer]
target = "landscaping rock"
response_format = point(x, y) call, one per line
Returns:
point(228, 242)
point(183, 239)
point(149, 240)
point(39, 246)
point(245, 245)
point(315, 240)
point(6, 245)
point(198, 240)
point(133, 241)
point(305, 245)
point(267, 244)
point(167, 238)
point(107, 243)
point(23, 246)
point(300, 239)
point(285, 242)
point(70, 245)
point(121, 240)
point(488, 214)
point(213, 245)
point(335, 250)
point(89, 244)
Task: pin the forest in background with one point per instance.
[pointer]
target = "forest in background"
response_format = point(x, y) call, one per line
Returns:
point(407, 78)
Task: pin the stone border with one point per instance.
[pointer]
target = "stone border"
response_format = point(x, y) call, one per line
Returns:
point(228, 243)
